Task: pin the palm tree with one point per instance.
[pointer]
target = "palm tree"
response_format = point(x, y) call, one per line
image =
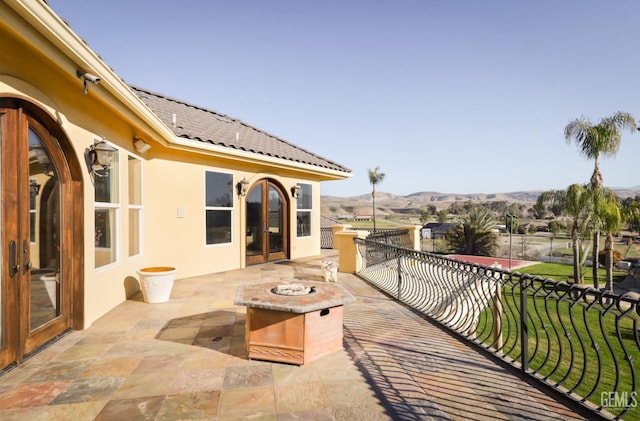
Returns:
point(575, 202)
point(593, 141)
point(631, 213)
point(612, 221)
point(375, 177)
point(474, 235)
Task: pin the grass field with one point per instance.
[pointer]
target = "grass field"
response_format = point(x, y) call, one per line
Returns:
point(579, 345)
point(560, 272)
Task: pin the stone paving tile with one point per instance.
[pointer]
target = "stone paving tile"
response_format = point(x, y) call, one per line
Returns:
point(158, 363)
point(302, 397)
point(139, 409)
point(191, 406)
point(89, 389)
point(66, 370)
point(144, 385)
point(112, 367)
point(319, 414)
point(186, 359)
point(248, 376)
point(203, 379)
point(247, 402)
point(32, 394)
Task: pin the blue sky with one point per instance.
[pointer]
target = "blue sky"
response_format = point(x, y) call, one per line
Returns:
point(447, 96)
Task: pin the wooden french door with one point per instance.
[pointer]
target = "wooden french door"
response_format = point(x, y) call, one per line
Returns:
point(267, 226)
point(35, 185)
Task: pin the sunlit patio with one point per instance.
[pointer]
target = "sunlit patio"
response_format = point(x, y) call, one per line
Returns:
point(186, 359)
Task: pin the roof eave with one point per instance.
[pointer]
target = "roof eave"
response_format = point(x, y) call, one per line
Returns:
point(75, 54)
point(246, 157)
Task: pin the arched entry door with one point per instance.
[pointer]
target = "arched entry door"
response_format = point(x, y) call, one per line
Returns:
point(40, 252)
point(267, 228)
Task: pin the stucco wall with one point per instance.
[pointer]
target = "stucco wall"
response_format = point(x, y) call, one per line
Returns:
point(173, 215)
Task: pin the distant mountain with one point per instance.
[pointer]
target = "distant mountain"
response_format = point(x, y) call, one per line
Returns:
point(391, 204)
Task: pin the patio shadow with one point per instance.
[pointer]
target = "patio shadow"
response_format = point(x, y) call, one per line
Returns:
point(220, 330)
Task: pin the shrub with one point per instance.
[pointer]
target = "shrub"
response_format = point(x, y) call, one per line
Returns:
point(602, 257)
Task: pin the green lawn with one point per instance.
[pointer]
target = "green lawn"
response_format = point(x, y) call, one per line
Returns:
point(560, 272)
point(569, 340)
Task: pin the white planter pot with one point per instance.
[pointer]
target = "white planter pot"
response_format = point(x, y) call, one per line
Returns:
point(156, 283)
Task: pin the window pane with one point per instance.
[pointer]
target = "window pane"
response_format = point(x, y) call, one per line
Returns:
point(105, 236)
point(134, 230)
point(303, 223)
point(218, 226)
point(135, 181)
point(218, 189)
point(304, 197)
point(32, 225)
point(106, 187)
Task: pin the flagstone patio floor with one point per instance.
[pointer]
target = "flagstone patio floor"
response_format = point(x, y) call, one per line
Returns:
point(186, 359)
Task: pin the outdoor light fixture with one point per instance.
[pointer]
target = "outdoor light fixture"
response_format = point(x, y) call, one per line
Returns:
point(87, 77)
point(295, 191)
point(99, 157)
point(141, 145)
point(243, 186)
point(34, 187)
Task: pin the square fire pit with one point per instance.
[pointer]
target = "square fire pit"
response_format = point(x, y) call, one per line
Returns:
point(293, 322)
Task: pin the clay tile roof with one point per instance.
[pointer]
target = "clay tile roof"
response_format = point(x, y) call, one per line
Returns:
point(204, 125)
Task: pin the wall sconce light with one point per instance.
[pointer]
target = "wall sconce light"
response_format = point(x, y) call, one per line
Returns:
point(99, 158)
point(34, 187)
point(141, 145)
point(243, 186)
point(295, 191)
point(87, 77)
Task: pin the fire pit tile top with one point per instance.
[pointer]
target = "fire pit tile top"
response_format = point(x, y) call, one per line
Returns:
point(321, 296)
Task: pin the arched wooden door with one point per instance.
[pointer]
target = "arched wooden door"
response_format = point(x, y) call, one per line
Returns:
point(40, 253)
point(267, 230)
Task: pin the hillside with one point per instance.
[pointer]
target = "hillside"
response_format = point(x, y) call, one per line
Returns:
point(388, 204)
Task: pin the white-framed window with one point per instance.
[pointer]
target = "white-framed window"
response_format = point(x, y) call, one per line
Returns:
point(303, 215)
point(107, 213)
point(218, 207)
point(135, 205)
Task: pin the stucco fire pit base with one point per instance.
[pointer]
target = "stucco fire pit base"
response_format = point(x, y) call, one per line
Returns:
point(293, 329)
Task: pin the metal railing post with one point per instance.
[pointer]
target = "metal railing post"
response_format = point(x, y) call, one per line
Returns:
point(399, 277)
point(524, 332)
point(497, 317)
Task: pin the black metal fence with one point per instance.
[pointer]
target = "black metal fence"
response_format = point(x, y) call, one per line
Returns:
point(385, 235)
point(580, 341)
point(326, 238)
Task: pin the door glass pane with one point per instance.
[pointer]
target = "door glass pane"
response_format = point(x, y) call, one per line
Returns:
point(44, 243)
point(254, 222)
point(275, 220)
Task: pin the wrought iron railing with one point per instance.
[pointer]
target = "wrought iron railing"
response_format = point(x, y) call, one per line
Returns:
point(393, 236)
point(326, 238)
point(580, 341)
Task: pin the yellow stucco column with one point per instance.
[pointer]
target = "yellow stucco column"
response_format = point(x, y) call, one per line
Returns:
point(414, 235)
point(349, 259)
point(335, 229)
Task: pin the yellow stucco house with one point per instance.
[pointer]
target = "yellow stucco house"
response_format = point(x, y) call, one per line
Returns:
point(100, 179)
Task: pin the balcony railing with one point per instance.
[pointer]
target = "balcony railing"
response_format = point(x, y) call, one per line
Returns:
point(579, 341)
point(326, 238)
point(393, 236)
